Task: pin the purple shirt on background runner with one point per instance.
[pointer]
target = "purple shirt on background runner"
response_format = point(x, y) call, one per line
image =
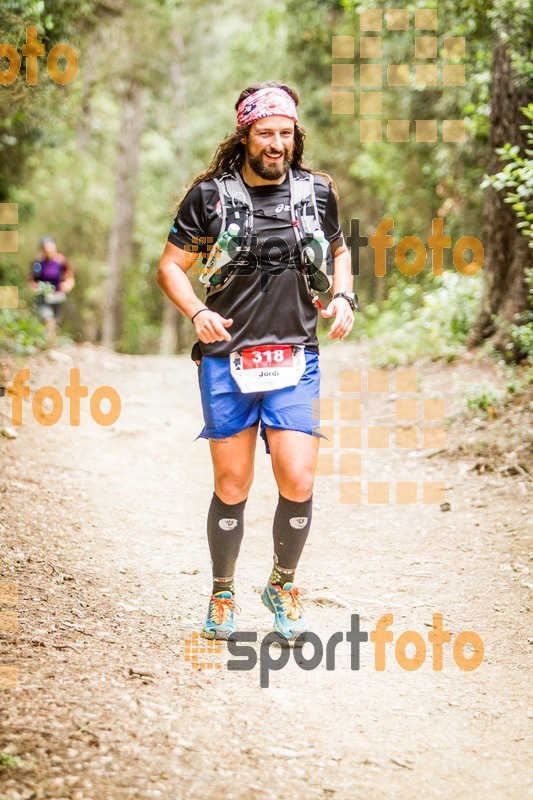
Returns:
point(50, 270)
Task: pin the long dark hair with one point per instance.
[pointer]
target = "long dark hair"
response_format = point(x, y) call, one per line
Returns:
point(231, 151)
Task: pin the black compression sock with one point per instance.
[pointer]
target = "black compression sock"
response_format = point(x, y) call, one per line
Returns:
point(223, 585)
point(292, 522)
point(225, 529)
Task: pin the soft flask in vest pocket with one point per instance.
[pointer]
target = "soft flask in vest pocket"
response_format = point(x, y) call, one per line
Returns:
point(317, 258)
point(221, 256)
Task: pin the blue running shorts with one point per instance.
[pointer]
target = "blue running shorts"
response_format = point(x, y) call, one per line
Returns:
point(228, 411)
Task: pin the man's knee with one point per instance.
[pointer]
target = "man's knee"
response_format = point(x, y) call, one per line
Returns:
point(297, 485)
point(231, 494)
point(233, 487)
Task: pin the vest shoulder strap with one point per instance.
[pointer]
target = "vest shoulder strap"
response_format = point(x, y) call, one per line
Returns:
point(304, 211)
point(235, 201)
point(236, 206)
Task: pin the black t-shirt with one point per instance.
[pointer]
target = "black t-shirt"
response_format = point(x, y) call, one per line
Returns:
point(269, 304)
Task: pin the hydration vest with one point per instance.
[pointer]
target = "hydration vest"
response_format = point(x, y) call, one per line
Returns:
point(236, 207)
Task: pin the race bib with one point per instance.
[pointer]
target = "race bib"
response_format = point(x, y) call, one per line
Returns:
point(267, 367)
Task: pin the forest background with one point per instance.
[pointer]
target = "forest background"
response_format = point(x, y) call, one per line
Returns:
point(99, 162)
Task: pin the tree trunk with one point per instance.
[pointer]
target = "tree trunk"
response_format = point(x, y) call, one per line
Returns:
point(91, 50)
point(120, 251)
point(506, 249)
point(170, 325)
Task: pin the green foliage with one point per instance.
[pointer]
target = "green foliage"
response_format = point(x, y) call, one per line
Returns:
point(516, 178)
point(484, 397)
point(411, 323)
point(7, 761)
point(513, 21)
point(522, 336)
point(412, 182)
point(143, 307)
point(522, 333)
point(485, 400)
point(26, 111)
point(21, 331)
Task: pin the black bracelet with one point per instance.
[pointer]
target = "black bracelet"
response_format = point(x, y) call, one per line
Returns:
point(198, 312)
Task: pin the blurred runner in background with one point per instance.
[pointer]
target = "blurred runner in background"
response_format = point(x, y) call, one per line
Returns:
point(51, 279)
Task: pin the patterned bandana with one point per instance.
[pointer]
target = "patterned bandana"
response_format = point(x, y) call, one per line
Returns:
point(267, 102)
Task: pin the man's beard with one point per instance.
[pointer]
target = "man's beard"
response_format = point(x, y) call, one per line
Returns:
point(270, 172)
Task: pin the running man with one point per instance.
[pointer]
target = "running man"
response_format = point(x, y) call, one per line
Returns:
point(257, 349)
point(51, 279)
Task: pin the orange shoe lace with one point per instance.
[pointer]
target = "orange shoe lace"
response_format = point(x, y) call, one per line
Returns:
point(222, 607)
point(292, 602)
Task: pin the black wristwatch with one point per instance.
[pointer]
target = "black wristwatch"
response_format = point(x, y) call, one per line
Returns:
point(351, 297)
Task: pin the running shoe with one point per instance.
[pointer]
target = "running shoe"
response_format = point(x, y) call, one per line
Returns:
point(286, 605)
point(220, 621)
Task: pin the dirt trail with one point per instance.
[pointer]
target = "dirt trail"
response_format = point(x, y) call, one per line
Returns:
point(103, 531)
